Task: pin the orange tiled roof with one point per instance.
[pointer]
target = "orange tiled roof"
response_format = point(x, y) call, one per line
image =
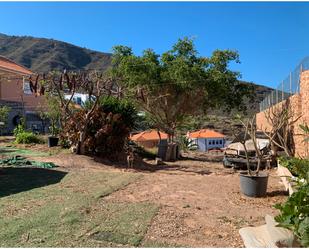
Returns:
point(205, 133)
point(148, 135)
point(9, 65)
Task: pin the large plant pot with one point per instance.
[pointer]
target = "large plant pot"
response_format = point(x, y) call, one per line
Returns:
point(253, 186)
point(53, 141)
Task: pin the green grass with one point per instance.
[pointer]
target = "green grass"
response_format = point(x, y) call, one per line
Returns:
point(12, 151)
point(50, 208)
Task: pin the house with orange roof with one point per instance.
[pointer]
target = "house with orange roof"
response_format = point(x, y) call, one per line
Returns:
point(207, 139)
point(149, 138)
point(15, 93)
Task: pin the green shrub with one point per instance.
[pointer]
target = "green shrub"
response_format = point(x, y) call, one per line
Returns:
point(186, 144)
point(18, 129)
point(27, 137)
point(298, 167)
point(106, 130)
point(120, 106)
point(294, 214)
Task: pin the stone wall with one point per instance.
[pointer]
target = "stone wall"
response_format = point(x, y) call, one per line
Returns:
point(299, 104)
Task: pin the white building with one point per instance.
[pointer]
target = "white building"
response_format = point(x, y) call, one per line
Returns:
point(78, 98)
point(207, 139)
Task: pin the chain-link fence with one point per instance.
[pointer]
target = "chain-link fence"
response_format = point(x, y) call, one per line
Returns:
point(287, 87)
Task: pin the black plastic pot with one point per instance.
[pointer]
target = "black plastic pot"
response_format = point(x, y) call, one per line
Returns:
point(253, 186)
point(53, 141)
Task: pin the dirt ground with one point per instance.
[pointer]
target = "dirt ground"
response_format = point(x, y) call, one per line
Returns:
point(201, 203)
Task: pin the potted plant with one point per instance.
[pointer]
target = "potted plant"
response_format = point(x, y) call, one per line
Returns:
point(53, 115)
point(253, 182)
point(53, 139)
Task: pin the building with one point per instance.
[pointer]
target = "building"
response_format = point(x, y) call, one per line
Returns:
point(149, 138)
point(79, 98)
point(15, 93)
point(207, 139)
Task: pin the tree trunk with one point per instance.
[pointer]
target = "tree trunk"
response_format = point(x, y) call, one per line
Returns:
point(80, 148)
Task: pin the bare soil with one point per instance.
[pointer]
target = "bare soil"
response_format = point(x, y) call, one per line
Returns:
point(201, 203)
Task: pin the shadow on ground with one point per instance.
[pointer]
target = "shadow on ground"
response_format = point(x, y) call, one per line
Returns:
point(204, 158)
point(277, 193)
point(16, 180)
point(142, 166)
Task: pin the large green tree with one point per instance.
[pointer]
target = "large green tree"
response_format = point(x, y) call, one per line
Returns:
point(179, 82)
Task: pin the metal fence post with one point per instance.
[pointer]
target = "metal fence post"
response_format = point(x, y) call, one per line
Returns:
point(290, 83)
point(282, 95)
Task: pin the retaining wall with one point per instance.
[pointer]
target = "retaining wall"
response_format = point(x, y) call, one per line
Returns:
point(299, 104)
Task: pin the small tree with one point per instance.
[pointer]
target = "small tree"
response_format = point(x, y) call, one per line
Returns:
point(61, 88)
point(244, 136)
point(281, 119)
point(178, 83)
point(305, 128)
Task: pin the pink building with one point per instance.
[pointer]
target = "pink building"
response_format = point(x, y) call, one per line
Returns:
point(15, 93)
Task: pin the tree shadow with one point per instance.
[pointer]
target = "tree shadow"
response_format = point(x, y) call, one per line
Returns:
point(142, 166)
point(16, 180)
point(277, 193)
point(211, 158)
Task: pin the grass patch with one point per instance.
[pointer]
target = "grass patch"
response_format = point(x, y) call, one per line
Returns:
point(12, 151)
point(50, 208)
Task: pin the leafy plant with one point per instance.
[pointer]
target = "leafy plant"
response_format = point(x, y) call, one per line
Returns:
point(298, 167)
point(305, 129)
point(187, 144)
point(20, 128)
point(27, 137)
point(106, 130)
point(53, 114)
point(294, 214)
point(170, 86)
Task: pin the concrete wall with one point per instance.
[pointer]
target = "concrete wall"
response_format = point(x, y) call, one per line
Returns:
point(299, 104)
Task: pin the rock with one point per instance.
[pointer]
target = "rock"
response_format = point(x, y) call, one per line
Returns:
point(267, 236)
point(281, 236)
point(73, 149)
point(158, 161)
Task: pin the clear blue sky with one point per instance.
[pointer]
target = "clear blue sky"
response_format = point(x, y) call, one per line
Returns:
point(271, 38)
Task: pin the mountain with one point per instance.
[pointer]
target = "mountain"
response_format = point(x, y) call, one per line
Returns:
point(42, 55)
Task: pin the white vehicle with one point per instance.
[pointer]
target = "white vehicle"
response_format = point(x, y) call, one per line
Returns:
point(234, 154)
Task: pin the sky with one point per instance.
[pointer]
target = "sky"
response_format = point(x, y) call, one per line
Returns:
point(270, 37)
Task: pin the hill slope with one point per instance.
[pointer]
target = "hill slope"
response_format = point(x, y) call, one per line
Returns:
point(42, 55)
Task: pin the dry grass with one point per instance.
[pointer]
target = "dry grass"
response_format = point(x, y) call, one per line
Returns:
point(49, 208)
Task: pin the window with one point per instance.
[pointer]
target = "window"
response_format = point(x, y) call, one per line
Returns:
point(217, 142)
point(79, 100)
point(26, 86)
point(220, 141)
point(209, 142)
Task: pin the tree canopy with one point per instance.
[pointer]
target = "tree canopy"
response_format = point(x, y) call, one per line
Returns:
point(178, 82)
